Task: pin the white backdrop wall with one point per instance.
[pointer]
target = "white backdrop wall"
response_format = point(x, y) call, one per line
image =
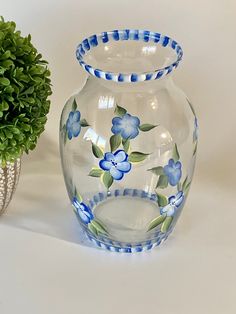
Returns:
point(206, 30)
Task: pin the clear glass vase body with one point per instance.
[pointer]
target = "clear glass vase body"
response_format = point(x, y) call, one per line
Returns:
point(128, 152)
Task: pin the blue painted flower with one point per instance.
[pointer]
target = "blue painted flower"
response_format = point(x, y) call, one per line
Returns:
point(196, 130)
point(173, 172)
point(83, 210)
point(117, 164)
point(127, 126)
point(73, 126)
point(175, 201)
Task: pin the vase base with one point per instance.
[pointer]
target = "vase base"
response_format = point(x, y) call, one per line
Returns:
point(125, 215)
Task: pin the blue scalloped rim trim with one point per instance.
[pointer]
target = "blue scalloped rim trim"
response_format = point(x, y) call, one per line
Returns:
point(128, 34)
point(115, 246)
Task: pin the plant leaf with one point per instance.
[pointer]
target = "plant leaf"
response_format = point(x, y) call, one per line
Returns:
point(83, 123)
point(146, 127)
point(157, 170)
point(184, 183)
point(107, 179)
point(95, 172)
point(137, 156)
point(156, 222)
point(162, 200)
point(126, 145)
point(175, 154)
point(92, 229)
point(187, 187)
point(115, 142)
point(97, 151)
point(120, 111)
point(162, 182)
point(4, 81)
point(74, 105)
point(166, 224)
point(98, 226)
point(78, 196)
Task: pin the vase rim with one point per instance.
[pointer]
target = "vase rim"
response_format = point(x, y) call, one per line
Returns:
point(124, 35)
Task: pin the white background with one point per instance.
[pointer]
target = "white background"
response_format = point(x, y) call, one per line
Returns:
point(43, 268)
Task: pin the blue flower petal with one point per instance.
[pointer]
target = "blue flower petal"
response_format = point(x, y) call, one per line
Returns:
point(116, 129)
point(129, 133)
point(124, 166)
point(76, 127)
point(109, 156)
point(105, 165)
point(178, 165)
point(171, 162)
point(70, 135)
point(76, 116)
point(120, 156)
point(135, 121)
point(175, 177)
point(116, 174)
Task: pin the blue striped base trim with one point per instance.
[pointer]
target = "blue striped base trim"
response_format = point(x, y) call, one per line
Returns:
point(128, 34)
point(116, 246)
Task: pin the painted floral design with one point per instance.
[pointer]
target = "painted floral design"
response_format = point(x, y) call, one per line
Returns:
point(174, 202)
point(127, 126)
point(114, 164)
point(73, 126)
point(117, 164)
point(83, 210)
point(173, 172)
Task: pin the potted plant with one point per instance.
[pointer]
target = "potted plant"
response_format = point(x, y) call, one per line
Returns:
point(24, 104)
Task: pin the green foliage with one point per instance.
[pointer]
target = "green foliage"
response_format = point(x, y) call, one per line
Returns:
point(24, 91)
point(95, 172)
point(137, 156)
point(97, 151)
point(115, 142)
point(146, 127)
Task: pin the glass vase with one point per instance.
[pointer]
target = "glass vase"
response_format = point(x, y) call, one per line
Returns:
point(128, 140)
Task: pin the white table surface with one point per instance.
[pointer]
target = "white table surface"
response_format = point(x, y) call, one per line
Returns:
point(45, 265)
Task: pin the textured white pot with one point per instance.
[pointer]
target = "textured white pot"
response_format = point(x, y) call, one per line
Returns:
point(9, 176)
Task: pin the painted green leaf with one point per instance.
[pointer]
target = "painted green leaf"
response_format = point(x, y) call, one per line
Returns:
point(120, 111)
point(98, 226)
point(166, 224)
point(126, 145)
point(156, 222)
point(115, 142)
point(95, 172)
point(92, 229)
point(157, 170)
point(175, 153)
point(162, 200)
point(187, 187)
point(107, 179)
point(78, 196)
point(195, 149)
point(74, 105)
point(162, 182)
point(137, 156)
point(185, 183)
point(179, 186)
point(83, 123)
point(97, 151)
point(146, 127)
point(65, 135)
